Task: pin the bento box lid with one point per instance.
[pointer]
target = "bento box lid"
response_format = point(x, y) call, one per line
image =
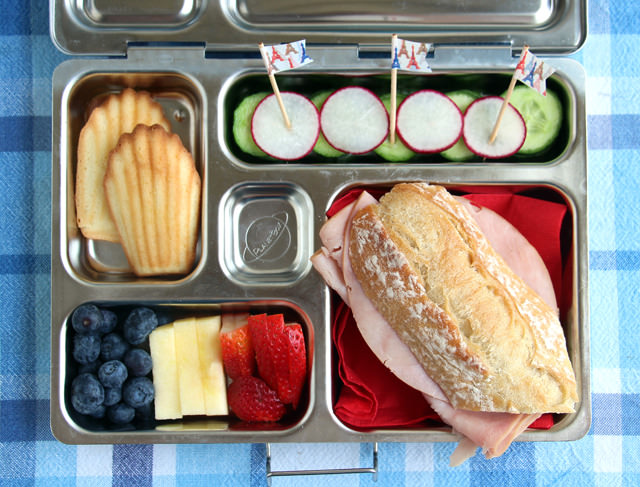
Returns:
point(110, 27)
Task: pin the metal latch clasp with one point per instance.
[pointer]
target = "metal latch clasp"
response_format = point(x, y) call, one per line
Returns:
point(335, 471)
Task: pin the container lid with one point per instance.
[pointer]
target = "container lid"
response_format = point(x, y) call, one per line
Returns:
point(109, 27)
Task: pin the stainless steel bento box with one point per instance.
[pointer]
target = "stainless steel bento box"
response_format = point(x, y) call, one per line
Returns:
point(205, 66)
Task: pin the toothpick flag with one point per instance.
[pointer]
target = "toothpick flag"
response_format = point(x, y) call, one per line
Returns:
point(533, 72)
point(281, 57)
point(407, 56)
point(410, 55)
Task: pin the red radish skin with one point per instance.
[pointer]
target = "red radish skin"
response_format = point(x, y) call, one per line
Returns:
point(354, 120)
point(479, 120)
point(271, 134)
point(429, 121)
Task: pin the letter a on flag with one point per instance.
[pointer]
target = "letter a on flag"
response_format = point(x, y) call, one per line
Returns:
point(533, 72)
point(281, 57)
point(409, 55)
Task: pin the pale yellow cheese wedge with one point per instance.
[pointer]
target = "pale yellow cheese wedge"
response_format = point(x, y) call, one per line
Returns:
point(165, 373)
point(189, 369)
point(213, 379)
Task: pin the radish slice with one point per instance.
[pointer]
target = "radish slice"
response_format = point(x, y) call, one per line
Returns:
point(429, 121)
point(354, 120)
point(271, 134)
point(479, 120)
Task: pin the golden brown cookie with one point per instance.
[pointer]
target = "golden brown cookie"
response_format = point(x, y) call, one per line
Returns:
point(153, 192)
point(118, 114)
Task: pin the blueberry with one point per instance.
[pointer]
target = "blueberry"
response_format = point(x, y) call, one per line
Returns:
point(121, 413)
point(112, 373)
point(100, 412)
point(138, 361)
point(91, 367)
point(138, 392)
point(163, 317)
point(109, 321)
point(112, 395)
point(140, 322)
point(87, 318)
point(87, 394)
point(146, 412)
point(86, 348)
point(113, 347)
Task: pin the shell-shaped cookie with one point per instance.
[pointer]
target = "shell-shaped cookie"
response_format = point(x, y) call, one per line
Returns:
point(118, 114)
point(153, 191)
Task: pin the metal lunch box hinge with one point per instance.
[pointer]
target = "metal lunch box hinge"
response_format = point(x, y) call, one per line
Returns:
point(165, 55)
point(473, 56)
point(334, 471)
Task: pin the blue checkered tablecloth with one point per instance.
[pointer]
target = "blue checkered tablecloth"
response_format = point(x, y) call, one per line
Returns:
point(29, 455)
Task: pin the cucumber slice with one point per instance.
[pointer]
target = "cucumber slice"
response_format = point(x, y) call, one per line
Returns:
point(397, 152)
point(323, 147)
point(459, 152)
point(242, 124)
point(542, 116)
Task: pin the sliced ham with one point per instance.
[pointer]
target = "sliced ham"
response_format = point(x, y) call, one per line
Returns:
point(493, 432)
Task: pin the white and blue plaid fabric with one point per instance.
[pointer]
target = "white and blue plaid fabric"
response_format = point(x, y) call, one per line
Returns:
point(607, 456)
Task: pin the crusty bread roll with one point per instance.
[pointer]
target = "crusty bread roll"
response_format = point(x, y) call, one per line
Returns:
point(119, 113)
point(479, 331)
point(153, 190)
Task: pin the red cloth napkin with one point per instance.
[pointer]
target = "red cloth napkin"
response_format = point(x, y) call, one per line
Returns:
point(368, 394)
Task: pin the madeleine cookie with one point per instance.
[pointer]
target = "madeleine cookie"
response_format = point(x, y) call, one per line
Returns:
point(118, 114)
point(153, 192)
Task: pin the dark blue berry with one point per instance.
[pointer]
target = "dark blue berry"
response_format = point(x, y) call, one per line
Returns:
point(112, 395)
point(109, 321)
point(86, 348)
point(164, 317)
point(146, 412)
point(113, 347)
point(86, 318)
point(138, 361)
point(91, 367)
point(87, 394)
point(140, 322)
point(112, 373)
point(138, 392)
point(121, 413)
point(100, 412)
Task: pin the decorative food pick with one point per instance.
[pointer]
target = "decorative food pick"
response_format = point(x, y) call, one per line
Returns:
point(533, 72)
point(407, 56)
point(282, 57)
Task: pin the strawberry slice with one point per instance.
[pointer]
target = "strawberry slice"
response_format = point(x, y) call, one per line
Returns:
point(252, 400)
point(297, 361)
point(238, 355)
point(267, 334)
point(262, 344)
point(280, 355)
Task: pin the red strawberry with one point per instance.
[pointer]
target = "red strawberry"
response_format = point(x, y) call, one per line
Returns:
point(280, 355)
point(297, 361)
point(251, 399)
point(238, 355)
point(262, 344)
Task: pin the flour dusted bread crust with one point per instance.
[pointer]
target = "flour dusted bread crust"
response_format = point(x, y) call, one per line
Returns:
point(153, 191)
point(478, 330)
point(118, 114)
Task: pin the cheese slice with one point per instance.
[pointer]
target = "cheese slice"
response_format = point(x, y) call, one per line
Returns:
point(214, 383)
point(189, 370)
point(165, 373)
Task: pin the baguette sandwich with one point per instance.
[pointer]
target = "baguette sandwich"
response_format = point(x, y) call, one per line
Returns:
point(467, 317)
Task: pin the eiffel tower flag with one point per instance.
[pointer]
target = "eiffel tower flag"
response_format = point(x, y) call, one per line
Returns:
point(406, 56)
